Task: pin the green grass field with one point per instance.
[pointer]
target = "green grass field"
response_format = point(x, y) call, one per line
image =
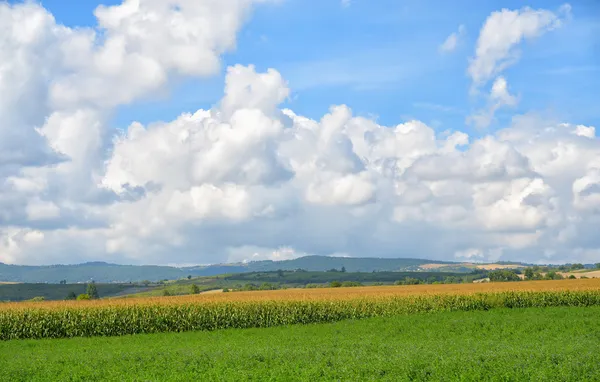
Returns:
point(502, 344)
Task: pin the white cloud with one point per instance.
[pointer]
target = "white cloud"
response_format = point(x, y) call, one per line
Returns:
point(452, 41)
point(502, 32)
point(499, 97)
point(345, 3)
point(249, 180)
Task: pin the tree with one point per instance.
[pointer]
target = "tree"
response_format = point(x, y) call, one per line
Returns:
point(503, 275)
point(597, 265)
point(343, 269)
point(189, 277)
point(92, 291)
point(335, 284)
point(572, 277)
point(279, 273)
point(529, 274)
point(195, 289)
point(83, 297)
point(71, 296)
point(166, 292)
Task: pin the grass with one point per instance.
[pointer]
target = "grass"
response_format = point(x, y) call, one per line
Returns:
point(502, 344)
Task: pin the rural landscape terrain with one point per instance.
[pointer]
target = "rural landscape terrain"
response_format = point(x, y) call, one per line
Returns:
point(384, 325)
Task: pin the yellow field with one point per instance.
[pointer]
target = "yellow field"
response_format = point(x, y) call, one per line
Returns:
point(326, 294)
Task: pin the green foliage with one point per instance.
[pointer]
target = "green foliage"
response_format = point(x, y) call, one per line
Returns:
point(347, 284)
point(83, 296)
point(529, 274)
point(166, 292)
point(335, 284)
point(92, 291)
point(597, 265)
point(552, 275)
point(572, 277)
point(194, 289)
point(409, 281)
point(111, 320)
point(38, 299)
point(503, 275)
point(71, 296)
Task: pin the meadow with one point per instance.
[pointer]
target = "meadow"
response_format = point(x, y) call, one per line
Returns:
point(497, 345)
point(116, 317)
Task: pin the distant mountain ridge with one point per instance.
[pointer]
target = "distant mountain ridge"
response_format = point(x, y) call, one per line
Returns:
point(103, 272)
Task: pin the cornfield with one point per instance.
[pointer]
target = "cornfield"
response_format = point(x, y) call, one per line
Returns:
point(244, 310)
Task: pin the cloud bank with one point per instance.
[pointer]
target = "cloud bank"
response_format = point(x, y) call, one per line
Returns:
point(249, 179)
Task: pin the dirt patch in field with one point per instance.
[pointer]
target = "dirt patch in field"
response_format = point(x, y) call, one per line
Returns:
point(591, 275)
point(8, 282)
point(490, 267)
point(433, 266)
point(212, 291)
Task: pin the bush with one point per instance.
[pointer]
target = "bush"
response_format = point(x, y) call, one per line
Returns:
point(572, 277)
point(83, 296)
point(195, 289)
point(347, 284)
point(335, 284)
point(71, 296)
point(38, 299)
point(504, 275)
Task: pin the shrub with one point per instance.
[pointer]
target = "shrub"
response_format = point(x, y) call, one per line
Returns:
point(83, 296)
point(335, 284)
point(194, 289)
point(346, 284)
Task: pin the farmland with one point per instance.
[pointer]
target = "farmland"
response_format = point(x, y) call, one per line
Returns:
point(116, 317)
point(501, 344)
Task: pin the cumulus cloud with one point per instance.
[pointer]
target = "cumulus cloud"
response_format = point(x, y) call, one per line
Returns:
point(501, 34)
point(452, 41)
point(248, 179)
point(499, 97)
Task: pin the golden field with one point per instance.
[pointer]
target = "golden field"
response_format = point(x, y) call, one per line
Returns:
point(259, 309)
point(326, 294)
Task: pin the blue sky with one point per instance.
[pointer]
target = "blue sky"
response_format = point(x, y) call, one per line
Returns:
point(381, 58)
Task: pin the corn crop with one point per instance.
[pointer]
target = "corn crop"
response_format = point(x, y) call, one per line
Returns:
point(122, 317)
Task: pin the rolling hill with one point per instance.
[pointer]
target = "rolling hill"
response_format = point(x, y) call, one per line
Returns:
point(102, 272)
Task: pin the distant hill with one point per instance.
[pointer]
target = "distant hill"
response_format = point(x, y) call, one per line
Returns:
point(352, 264)
point(113, 273)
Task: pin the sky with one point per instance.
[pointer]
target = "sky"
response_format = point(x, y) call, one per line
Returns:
point(204, 131)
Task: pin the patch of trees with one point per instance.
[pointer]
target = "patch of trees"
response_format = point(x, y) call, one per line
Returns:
point(503, 275)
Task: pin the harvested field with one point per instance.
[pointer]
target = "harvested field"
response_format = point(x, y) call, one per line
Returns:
point(491, 267)
point(432, 266)
point(591, 274)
